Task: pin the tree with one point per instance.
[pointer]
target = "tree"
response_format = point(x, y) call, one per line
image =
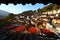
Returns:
point(54, 7)
point(11, 15)
point(30, 12)
point(39, 10)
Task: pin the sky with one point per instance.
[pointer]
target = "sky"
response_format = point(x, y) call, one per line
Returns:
point(19, 8)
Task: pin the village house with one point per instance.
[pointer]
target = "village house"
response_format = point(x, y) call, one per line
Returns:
point(49, 12)
point(58, 11)
point(52, 12)
point(44, 15)
point(45, 12)
point(21, 16)
point(56, 22)
point(44, 18)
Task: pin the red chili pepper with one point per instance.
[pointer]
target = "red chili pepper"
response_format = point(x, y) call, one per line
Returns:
point(32, 30)
point(47, 32)
point(19, 28)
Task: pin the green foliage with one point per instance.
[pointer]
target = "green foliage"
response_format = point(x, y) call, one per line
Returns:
point(54, 7)
point(11, 15)
point(34, 10)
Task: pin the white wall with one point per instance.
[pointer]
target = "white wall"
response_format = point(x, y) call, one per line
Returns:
point(58, 11)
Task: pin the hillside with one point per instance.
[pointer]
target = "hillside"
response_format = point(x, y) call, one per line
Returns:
point(3, 13)
point(49, 8)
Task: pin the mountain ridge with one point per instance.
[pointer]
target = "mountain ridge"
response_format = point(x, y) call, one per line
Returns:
point(3, 13)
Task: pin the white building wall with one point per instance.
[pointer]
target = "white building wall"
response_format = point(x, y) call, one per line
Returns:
point(50, 12)
point(54, 11)
point(58, 11)
point(44, 12)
